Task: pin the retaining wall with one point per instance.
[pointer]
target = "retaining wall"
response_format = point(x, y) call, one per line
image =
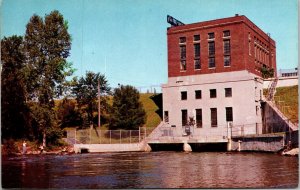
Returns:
point(108, 147)
point(266, 144)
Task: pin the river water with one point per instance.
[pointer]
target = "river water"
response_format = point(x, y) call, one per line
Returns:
point(151, 170)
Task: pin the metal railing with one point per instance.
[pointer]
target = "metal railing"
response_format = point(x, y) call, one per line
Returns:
point(272, 89)
point(165, 131)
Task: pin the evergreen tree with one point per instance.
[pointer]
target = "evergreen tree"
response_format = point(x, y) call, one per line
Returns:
point(127, 111)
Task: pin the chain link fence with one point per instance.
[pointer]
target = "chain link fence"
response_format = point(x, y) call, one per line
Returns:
point(97, 136)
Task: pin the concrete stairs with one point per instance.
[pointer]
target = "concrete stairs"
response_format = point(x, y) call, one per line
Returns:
point(270, 101)
point(291, 125)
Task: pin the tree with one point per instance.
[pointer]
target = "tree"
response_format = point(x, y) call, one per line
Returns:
point(86, 92)
point(47, 45)
point(68, 114)
point(267, 72)
point(13, 106)
point(127, 111)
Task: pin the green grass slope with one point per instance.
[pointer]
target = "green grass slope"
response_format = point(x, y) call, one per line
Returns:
point(150, 107)
point(286, 99)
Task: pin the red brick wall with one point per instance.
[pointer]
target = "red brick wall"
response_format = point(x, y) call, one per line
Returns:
point(239, 27)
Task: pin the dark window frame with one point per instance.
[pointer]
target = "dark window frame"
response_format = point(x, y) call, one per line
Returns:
point(183, 95)
point(199, 118)
point(182, 52)
point(226, 47)
point(213, 93)
point(196, 37)
point(211, 48)
point(183, 65)
point(211, 62)
point(228, 92)
point(166, 116)
point(214, 117)
point(226, 33)
point(197, 64)
point(197, 50)
point(184, 117)
point(211, 35)
point(227, 61)
point(182, 40)
point(229, 114)
point(198, 94)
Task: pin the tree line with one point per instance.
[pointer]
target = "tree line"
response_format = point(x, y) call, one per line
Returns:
point(37, 100)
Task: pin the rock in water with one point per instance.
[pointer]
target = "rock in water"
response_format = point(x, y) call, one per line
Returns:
point(148, 148)
point(187, 147)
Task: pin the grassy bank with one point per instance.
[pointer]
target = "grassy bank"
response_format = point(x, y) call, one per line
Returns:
point(286, 99)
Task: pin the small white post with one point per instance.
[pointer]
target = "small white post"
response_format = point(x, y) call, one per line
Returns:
point(120, 136)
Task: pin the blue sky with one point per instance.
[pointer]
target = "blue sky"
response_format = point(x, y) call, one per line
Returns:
point(130, 35)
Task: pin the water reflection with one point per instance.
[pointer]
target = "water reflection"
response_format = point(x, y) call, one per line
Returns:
point(151, 170)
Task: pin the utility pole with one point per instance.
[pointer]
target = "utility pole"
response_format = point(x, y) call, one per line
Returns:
point(98, 103)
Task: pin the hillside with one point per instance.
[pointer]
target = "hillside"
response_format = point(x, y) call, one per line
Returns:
point(286, 99)
point(150, 107)
point(153, 119)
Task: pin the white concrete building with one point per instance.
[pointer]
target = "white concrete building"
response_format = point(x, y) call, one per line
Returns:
point(213, 100)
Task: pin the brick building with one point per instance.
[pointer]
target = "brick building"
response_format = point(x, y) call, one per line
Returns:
point(222, 45)
point(214, 75)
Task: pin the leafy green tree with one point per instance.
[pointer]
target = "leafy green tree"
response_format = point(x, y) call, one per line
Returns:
point(13, 105)
point(127, 111)
point(267, 72)
point(68, 114)
point(86, 92)
point(47, 44)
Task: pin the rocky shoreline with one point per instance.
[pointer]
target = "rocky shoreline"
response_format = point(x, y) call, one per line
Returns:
point(66, 150)
point(292, 152)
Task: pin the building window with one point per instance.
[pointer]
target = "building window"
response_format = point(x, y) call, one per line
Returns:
point(199, 118)
point(211, 48)
point(211, 62)
point(182, 40)
point(211, 35)
point(249, 43)
point(166, 116)
point(183, 58)
point(182, 65)
point(228, 92)
point(226, 33)
point(198, 94)
point(182, 52)
point(197, 50)
point(226, 44)
point(229, 115)
point(214, 119)
point(213, 93)
point(197, 64)
point(184, 95)
point(184, 117)
point(227, 60)
point(196, 38)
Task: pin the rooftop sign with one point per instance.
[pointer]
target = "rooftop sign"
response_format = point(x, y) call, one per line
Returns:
point(173, 21)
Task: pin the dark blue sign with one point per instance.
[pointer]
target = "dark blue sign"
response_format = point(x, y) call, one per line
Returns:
point(173, 21)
